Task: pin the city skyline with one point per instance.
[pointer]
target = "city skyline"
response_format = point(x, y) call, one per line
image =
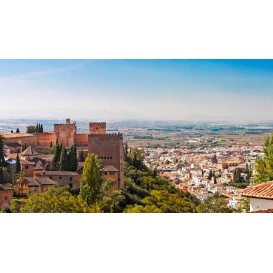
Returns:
point(186, 90)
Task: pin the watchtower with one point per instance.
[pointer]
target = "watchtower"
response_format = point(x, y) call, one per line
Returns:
point(65, 133)
point(109, 149)
point(97, 127)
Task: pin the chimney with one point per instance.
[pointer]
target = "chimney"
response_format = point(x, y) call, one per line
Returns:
point(68, 121)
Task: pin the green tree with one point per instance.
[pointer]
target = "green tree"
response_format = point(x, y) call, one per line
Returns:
point(142, 209)
point(155, 172)
point(37, 128)
point(215, 204)
point(210, 175)
point(81, 157)
point(31, 129)
point(264, 166)
point(111, 199)
point(42, 129)
point(63, 163)
point(238, 176)
point(245, 205)
point(55, 200)
point(17, 130)
point(91, 179)
point(56, 157)
point(73, 159)
point(126, 151)
point(17, 165)
point(2, 181)
point(2, 152)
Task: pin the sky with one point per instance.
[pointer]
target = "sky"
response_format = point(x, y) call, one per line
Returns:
point(183, 90)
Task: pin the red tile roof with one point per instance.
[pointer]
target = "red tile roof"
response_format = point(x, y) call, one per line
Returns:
point(29, 152)
point(110, 168)
point(263, 211)
point(263, 191)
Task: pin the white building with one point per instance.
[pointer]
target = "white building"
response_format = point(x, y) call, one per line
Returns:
point(261, 196)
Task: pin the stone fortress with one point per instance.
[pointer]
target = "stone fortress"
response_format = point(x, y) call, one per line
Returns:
point(107, 146)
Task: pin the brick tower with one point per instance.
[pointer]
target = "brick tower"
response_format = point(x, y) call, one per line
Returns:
point(97, 128)
point(65, 133)
point(109, 149)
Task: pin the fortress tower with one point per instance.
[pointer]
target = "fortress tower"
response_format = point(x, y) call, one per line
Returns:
point(97, 128)
point(65, 133)
point(109, 149)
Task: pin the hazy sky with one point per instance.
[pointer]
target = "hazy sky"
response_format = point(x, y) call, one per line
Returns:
point(144, 89)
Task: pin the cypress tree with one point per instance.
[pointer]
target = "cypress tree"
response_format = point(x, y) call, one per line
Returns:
point(42, 128)
point(73, 159)
point(63, 163)
point(36, 128)
point(1, 175)
point(17, 130)
point(126, 151)
point(75, 166)
point(69, 155)
point(56, 158)
point(2, 153)
point(81, 157)
point(17, 165)
point(155, 172)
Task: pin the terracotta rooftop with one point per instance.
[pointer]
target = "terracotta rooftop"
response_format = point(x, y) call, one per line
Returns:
point(263, 211)
point(60, 173)
point(26, 162)
point(41, 181)
point(4, 187)
point(38, 167)
point(263, 191)
point(16, 135)
point(110, 168)
point(29, 152)
point(13, 145)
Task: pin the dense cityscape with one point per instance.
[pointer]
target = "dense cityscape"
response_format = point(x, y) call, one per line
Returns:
point(203, 160)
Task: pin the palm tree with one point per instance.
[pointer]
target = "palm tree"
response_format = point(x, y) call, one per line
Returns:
point(20, 185)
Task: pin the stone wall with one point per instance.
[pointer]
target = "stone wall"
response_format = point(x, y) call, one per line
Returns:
point(28, 139)
point(81, 140)
point(44, 139)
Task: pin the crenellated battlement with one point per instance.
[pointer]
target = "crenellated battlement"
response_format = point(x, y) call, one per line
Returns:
point(99, 122)
point(65, 124)
point(113, 135)
point(97, 128)
point(46, 133)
